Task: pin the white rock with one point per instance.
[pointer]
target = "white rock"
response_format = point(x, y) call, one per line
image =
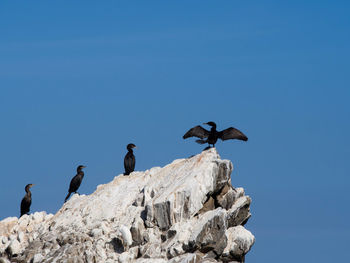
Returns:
point(15, 247)
point(151, 260)
point(126, 234)
point(239, 212)
point(127, 257)
point(104, 228)
point(137, 229)
point(240, 240)
point(20, 237)
point(4, 260)
point(38, 216)
point(97, 232)
point(38, 258)
point(185, 258)
point(35, 235)
point(48, 216)
point(9, 220)
point(154, 216)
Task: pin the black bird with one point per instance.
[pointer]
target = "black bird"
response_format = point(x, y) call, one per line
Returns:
point(129, 159)
point(213, 135)
point(76, 181)
point(27, 200)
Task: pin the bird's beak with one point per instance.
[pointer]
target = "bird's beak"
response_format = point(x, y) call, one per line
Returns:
point(32, 185)
point(205, 123)
point(135, 147)
point(84, 166)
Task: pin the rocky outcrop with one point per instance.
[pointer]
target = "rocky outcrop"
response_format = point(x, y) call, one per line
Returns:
point(187, 211)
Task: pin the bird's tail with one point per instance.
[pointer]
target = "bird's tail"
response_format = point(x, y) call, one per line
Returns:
point(68, 195)
point(201, 141)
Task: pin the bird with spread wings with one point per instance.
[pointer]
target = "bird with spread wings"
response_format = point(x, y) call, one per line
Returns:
point(213, 135)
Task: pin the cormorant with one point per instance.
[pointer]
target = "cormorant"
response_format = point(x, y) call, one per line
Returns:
point(129, 159)
point(27, 200)
point(213, 135)
point(76, 181)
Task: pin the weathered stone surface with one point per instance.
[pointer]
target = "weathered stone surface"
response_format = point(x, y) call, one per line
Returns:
point(225, 168)
point(151, 260)
point(227, 197)
point(37, 258)
point(239, 243)
point(126, 235)
point(209, 233)
point(162, 215)
point(137, 231)
point(4, 260)
point(187, 258)
point(14, 248)
point(179, 213)
point(8, 224)
point(239, 213)
point(208, 260)
point(207, 206)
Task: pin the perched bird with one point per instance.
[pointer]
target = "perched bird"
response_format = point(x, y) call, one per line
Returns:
point(76, 181)
point(27, 200)
point(129, 159)
point(213, 135)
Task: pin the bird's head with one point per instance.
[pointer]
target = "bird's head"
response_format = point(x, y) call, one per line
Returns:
point(211, 123)
point(130, 146)
point(28, 186)
point(80, 167)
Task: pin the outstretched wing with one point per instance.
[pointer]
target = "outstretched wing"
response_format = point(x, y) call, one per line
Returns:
point(232, 133)
point(197, 131)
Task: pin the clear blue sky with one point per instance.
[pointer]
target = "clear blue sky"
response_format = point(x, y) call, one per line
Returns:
point(81, 79)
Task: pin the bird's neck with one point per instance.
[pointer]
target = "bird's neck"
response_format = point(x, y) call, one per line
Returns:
point(130, 151)
point(29, 193)
point(213, 128)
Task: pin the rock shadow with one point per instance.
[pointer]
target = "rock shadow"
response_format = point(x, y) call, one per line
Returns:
point(117, 245)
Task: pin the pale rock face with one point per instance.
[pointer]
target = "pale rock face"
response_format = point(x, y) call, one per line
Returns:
point(14, 248)
point(38, 258)
point(126, 235)
point(239, 242)
point(209, 232)
point(184, 212)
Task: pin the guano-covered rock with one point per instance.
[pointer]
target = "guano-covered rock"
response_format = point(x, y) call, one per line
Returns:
point(187, 211)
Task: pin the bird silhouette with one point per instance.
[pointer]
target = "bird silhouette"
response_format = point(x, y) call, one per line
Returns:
point(213, 135)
